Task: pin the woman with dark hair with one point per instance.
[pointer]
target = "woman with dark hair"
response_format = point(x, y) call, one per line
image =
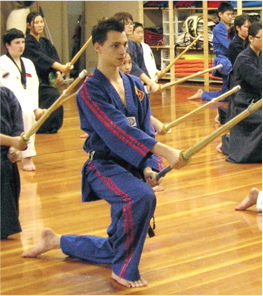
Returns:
point(46, 60)
point(238, 33)
point(244, 143)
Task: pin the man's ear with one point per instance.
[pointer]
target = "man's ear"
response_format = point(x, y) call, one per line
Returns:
point(97, 46)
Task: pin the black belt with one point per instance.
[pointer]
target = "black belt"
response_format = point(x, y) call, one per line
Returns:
point(98, 155)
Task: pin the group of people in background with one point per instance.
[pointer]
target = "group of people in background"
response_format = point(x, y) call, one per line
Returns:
point(123, 163)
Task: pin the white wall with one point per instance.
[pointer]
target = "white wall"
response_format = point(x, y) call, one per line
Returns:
point(96, 10)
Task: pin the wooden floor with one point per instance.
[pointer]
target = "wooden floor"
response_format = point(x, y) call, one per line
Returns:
point(202, 245)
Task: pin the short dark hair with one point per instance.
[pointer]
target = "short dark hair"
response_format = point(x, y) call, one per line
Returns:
point(127, 52)
point(32, 15)
point(123, 16)
point(254, 28)
point(136, 25)
point(23, 4)
point(238, 22)
point(100, 31)
point(225, 6)
point(12, 34)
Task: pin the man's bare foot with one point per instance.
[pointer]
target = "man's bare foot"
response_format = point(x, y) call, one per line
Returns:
point(249, 200)
point(197, 95)
point(49, 240)
point(28, 164)
point(136, 284)
point(219, 147)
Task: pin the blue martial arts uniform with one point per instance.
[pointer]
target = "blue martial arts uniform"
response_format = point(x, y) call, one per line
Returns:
point(138, 65)
point(119, 143)
point(220, 46)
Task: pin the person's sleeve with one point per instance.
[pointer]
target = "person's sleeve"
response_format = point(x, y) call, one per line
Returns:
point(220, 36)
point(251, 74)
point(41, 60)
point(16, 115)
point(136, 70)
point(34, 94)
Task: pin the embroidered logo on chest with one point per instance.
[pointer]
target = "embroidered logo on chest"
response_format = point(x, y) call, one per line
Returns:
point(139, 93)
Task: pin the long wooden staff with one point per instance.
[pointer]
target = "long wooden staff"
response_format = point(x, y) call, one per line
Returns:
point(172, 83)
point(163, 72)
point(167, 127)
point(70, 65)
point(66, 95)
point(186, 155)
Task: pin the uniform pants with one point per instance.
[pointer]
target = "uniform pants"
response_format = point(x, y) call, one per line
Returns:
point(208, 96)
point(29, 121)
point(47, 96)
point(132, 207)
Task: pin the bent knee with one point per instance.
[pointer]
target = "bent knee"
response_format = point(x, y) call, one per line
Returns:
point(148, 196)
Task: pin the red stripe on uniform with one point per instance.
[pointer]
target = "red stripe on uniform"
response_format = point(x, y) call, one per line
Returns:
point(127, 217)
point(111, 126)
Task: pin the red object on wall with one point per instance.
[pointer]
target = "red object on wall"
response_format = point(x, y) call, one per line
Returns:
point(214, 4)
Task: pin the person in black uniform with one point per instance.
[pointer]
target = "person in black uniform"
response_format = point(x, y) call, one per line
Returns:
point(11, 129)
point(48, 66)
point(244, 143)
point(238, 33)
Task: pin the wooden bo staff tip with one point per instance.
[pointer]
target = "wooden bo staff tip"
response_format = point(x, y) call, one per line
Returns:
point(172, 83)
point(163, 72)
point(70, 65)
point(167, 127)
point(67, 94)
point(186, 155)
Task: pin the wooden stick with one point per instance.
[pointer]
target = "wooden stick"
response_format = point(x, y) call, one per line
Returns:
point(70, 65)
point(169, 84)
point(172, 83)
point(186, 155)
point(167, 127)
point(66, 95)
point(163, 72)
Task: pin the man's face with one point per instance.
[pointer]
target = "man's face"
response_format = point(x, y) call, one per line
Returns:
point(226, 17)
point(128, 27)
point(112, 52)
point(138, 35)
point(16, 47)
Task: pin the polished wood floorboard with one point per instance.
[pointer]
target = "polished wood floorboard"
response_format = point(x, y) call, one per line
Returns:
point(202, 245)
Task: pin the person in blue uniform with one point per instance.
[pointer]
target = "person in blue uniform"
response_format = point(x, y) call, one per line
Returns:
point(47, 63)
point(122, 167)
point(11, 129)
point(220, 46)
point(244, 143)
